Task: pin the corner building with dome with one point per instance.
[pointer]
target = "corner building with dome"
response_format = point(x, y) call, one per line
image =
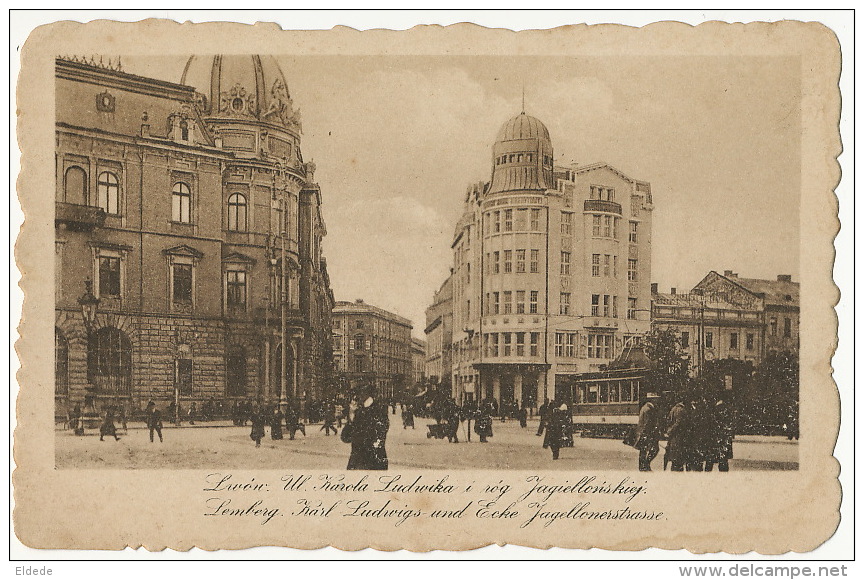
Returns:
point(180, 209)
point(551, 273)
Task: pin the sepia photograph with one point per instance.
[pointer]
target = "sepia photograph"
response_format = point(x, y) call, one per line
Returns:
point(444, 279)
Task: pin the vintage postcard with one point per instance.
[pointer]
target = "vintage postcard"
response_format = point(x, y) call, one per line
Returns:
point(431, 289)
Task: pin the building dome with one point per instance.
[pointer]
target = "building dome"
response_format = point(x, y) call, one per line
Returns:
point(522, 156)
point(242, 87)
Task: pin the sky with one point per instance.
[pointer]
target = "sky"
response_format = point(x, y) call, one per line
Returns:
point(398, 139)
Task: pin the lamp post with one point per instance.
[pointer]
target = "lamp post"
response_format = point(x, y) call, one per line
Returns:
point(283, 301)
point(89, 308)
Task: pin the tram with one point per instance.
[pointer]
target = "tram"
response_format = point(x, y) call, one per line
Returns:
point(607, 403)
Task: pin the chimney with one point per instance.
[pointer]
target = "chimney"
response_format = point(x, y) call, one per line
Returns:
point(654, 288)
point(672, 291)
point(359, 301)
point(728, 273)
point(784, 277)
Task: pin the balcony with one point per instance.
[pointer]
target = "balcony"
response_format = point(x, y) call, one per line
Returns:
point(595, 205)
point(82, 218)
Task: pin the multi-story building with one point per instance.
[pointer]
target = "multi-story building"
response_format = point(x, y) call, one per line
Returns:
point(418, 361)
point(439, 334)
point(184, 206)
point(551, 271)
point(725, 316)
point(373, 346)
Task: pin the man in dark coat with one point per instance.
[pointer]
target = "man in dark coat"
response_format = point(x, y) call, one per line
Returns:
point(557, 430)
point(454, 418)
point(408, 416)
point(366, 431)
point(276, 424)
point(108, 427)
point(648, 432)
point(676, 437)
point(154, 420)
point(544, 413)
point(329, 419)
point(258, 421)
point(720, 438)
point(293, 422)
point(483, 420)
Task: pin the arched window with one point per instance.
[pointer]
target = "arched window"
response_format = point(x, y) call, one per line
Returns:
point(108, 192)
point(75, 186)
point(61, 363)
point(181, 202)
point(235, 372)
point(109, 361)
point(237, 212)
point(184, 130)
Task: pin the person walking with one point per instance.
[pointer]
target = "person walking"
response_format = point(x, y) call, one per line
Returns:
point(366, 431)
point(276, 423)
point(453, 417)
point(154, 420)
point(557, 430)
point(676, 436)
point(523, 417)
point(108, 427)
point(543, 412)
point(648, 432)
point(293, 422)
point(721, 436)
point(407, 417)
point(483, 421)
point(258, 421)
point(76, 421)
point(193, 412)
point(329, 419)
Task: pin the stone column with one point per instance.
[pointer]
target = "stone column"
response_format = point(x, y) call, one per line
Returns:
point(517, 388)
point(541, 387)
point(496, 388)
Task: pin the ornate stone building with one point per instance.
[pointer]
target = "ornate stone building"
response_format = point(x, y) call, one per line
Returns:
point(186, 205)
point(373, 346)
point(551, 271)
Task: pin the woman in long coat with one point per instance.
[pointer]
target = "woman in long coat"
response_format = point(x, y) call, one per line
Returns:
point(558, 433)
point(366, 431)
point(276, 424)
point(258, 421)
point(483, 421)
point(108, 427)
point(408, 416)
point(676, 437)
point(720, 440)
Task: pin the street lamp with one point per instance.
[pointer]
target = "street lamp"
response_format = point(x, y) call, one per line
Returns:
point(89, 307)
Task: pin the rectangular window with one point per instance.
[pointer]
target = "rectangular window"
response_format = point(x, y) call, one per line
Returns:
point(468, 309)
point(508, 261)
point(631, 308)
point(602, 193)
point(607, 226)
point(787, 328)
point(508, 220)
point(773, 327)
point(535, 339)
point(534, 298)
point(507, 346)
point(520, 302)
point(600, 346)
point(520, 344)
point(535, 261)
point(497, 222)
point(559, 344)
point(606, 304)
point(535, 219)
point(570, 350)
point(496, 264)
point(634, 232)
point(508, 302)
point(607, 265)
point(566, 223)
point(685, 340)
point(632, 270)
point(494, 344)
point(709, 340)
point(565, 303)
point(733, 341)
point(595, 305)
point(614, 307)
point(520, 261)
point(565, 263)
point(182, 290)
point(615, 266)
point(596, 222)
point(595, 265)
point(184, 376)
point(615, 228)
point(236, 288)
point(109, 276)
point(750, 341)
point(495, 303)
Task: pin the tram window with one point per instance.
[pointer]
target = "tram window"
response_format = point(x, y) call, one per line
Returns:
point(604, 393)
point(613, 392)
point(634, 390)
point(581, 398)
point(592, 394)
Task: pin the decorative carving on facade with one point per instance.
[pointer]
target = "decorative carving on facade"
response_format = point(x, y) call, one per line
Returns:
point(237, 101)
point(105, 102)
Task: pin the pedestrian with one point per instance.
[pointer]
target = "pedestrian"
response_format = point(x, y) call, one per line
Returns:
point(557, 430)
point(453, 418)
point(329, 419)
point(366, 431)
point(108, 427)
point(193, 412)
point(408, 417)
point(293, 422)
point(154, 420)
point(648, 432)
point(123, 420)
point(543, 412)
point(483, 421)
point(720, 440)
point(696, 436)
point(676, 436)
point(276, 423)
point(523, 417)
point(76, 421)
point(258, 421)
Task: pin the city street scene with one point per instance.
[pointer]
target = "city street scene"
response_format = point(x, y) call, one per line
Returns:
point(472, 263)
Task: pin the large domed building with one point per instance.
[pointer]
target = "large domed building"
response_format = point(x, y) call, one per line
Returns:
point(188, 209)
point(550, 278)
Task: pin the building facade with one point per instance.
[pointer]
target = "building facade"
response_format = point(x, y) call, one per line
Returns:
point(726, 316)
point(373, 346)
point(439, 334)
point(551, 271)
point(188, 210)
point(418, 362)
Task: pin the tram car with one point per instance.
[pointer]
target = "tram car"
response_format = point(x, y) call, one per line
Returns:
point(607, 403)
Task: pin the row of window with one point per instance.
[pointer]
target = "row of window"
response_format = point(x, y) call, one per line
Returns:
point(495, 266)
point(602, 193)
point(509, 220)
point(749, 344)
point(511, 344)
point(505, 344)
point(503, 303)
point(620, 391)
point(108, 198)
point(597, 345)
point(787, 327)
point(515, 158)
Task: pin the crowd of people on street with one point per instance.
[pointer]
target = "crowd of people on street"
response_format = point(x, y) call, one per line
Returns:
point(698, 431)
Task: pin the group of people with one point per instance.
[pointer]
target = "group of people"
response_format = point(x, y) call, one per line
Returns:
point(272, 416)
point(557, 422)
point(698, 432)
